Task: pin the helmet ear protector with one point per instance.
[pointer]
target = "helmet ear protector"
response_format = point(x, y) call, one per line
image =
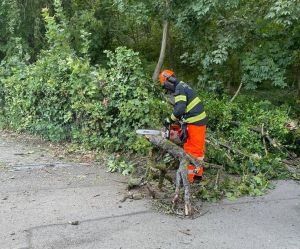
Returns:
point(171, 79)
point(168, 86)
point(169, 83)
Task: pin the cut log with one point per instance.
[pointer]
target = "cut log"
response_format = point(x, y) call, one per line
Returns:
point(178, 152)
point(174, 150)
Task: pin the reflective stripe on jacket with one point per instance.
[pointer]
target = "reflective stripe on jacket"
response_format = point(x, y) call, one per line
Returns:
point(188, 107)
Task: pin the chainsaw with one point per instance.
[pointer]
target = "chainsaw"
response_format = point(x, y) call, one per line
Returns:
point(171, 132)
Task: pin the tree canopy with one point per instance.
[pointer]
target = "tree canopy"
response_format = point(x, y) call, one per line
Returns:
point(217, 43)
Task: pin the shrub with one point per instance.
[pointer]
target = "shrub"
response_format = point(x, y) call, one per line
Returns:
point(63, 97)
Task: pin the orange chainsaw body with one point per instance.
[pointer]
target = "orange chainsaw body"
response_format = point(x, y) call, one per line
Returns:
point(174, 133)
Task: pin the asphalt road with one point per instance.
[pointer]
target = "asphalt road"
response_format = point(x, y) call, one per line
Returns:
point(41, 196)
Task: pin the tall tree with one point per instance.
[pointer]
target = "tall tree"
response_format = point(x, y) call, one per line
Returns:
point(162, 50)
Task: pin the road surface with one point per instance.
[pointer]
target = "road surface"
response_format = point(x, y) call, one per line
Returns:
point(41, 196)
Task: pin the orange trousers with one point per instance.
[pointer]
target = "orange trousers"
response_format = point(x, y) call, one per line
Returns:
point(196, 140)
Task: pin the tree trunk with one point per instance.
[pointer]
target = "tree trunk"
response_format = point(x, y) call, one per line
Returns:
point(162, 51)
point(298, 79)
point(298, 76)
point(237, 92)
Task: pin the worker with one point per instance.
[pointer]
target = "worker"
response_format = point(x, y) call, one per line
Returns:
point(188, 109)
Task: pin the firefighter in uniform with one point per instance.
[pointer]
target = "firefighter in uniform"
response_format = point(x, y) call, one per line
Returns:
point(189, 109)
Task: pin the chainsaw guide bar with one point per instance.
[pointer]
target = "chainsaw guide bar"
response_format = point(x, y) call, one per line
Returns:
point(149, 132)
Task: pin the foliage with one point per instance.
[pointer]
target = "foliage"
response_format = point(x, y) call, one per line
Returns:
point(229, 42)
point(129, 99)
point(250, 113)
point(248, 157)
point(220, 43)
point(284, 12)
point(253, 185)
point(63, 97)
point(116, 164)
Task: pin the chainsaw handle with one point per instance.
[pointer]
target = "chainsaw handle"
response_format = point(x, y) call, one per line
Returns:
point(167, 127)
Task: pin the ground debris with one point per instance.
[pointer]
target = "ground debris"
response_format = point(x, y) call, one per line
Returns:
point(3, 166)
point(137, 196)
point(74, 223)
point(132, 196)
point(167, 207)
point(186, 232)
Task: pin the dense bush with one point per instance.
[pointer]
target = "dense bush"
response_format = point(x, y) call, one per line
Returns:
point(235, 123)
point(63, 97)
point(236, 142)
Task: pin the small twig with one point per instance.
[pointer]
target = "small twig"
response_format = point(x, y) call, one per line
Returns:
point(228, 156)
point(213, 166)
point(234, 150)
point(47, 171)
point(184, 232)
point(217, 180)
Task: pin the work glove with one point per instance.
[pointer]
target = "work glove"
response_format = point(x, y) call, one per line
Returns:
point(184, 133)
point(167, 122)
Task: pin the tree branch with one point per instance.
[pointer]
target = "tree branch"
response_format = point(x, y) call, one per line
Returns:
point(237, 92)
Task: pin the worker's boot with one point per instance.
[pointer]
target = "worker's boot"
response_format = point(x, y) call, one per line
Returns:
point(198, 175)
point(195, 174)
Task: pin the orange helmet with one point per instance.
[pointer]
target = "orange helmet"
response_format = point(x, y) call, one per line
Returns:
point(164, 75)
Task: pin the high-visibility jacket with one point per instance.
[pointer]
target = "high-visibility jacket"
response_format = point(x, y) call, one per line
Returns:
point(188, 106)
